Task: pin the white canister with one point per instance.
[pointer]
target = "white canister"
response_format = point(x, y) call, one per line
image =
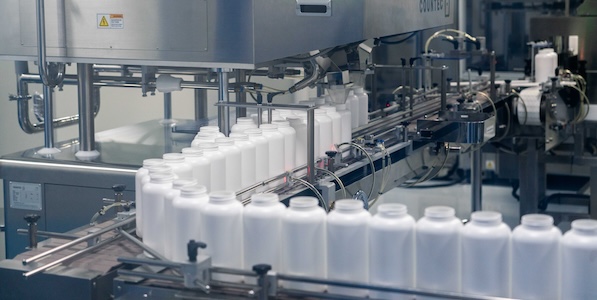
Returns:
point(347, 246)
point(180, 167)
point(276, 149)
point(304, 242)
point(285, 113)
point(325, 131)
point(232, 155)
point(317, 129)
point(352, 103)
point(546, 62)
point(289, 143)
point(438, 250)
point(222, 231)
point(275, 116)
point(346, 116)
point(336, 123)
point(363, 105)
point(536, 258)
point(154, 194)
point(391, 250)
point(262, 152)
point(212, 129)
point(187, 219)
point(248, 153)
point(217, 166)
point(262, 225)
point(141, 173)
point(579, 261)
point(168, 211)
point(300, 152)
point(204, 137)
point(486, 255)
point(200, 165)
point(243, 124)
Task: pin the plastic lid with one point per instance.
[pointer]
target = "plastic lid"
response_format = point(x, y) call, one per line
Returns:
point(328, 108)
point(239, 136)
point(179, 183)
point(348, 205)
point(173, 157)
point(254, 132)
point(161, 177)
point(269, 127)
point(159, 169)
point(208, 147)
point(245, 120)
point(192, 151)
point(585, 225)
point(486, 217)
point(215, 129)
point(193, 190)
point(282, 123)
point(265, 199)
point(546, 50)
point(440, 212)
point(537, 220)
point(225, 141)
point(392, 209)
point(203, 134)
point(341, 106)
point(152, 162)
point(222, 196)
point(303, 202)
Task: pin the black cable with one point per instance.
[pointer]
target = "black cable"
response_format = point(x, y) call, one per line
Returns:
point(383, 41)
point(515, 186)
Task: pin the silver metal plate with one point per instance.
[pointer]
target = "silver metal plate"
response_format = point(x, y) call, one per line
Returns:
point(25, 195)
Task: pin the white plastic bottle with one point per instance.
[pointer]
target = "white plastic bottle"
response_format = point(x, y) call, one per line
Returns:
point(546, 62)
point(304, 242)
point(352, 103)
point(347, 246)
point(536, 258)
point(212, 129)
point(486, 255)
point(325, 131)
point(232, 155)
point(141, 173)
point(438, 250)
point(300, 149)
point(222, 231)
point(579, 261)
point(336, 123)
point(289, 143)
point(248, 153)
point(262, 225)
point(346, 116)
point(262, 152)
point(200, 165)
point(168, 211)
point(218, 166)
point(363, 105)
point(285, 113)
point(187, 219)
point(275, 116)
point(391, 250)
point(276, 149)
point(243, 124)
point(204, 137)
point(154, 194)
point(317, 129)
point(180, 167)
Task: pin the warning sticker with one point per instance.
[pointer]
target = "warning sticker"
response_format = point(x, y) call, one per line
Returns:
point(110, 21)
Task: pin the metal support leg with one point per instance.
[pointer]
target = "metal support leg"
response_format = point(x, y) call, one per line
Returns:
point(476, 179)
point(200, 100)
point(593, 199)
point(223, 112)
point(86, 121)
point(241, 97)
point(492, 89)
point(531, 173)
point(311, 146)
point(443, 90)
point(167, 106)
point(48, 115)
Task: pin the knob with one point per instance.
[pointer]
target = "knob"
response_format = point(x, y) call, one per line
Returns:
point(32, 218)
point(118, 188)
point(261, 269)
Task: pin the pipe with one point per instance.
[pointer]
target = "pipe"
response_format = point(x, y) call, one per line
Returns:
point(307, 80)
point(241, 97)
point(223, 112)
point(443, 90)
point(50, 234)
point(86, 121)
point(48, 115)
point(311, 146)
point(200, 99)
point(77, 241)
point(476, 179)
point(167, 106)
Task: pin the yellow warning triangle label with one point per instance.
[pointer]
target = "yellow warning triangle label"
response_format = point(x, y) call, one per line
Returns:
point(104, 22)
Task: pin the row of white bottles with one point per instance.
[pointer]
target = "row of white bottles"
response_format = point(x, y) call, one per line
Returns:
point(546, 62)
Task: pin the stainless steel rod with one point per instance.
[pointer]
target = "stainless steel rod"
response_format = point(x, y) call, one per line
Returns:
point(152, 262)
point(167, 106)
point(86, 121)
point(443, 90)
point(142, 245)
point(71, 256)
point(476, 179)
point(151, 275)
point(223, 111)
point(50, 234)
point(48, 115)
point(311, 146)
point(200, 99)
point(78, 241)
point(267, 106)
point(241, 97)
